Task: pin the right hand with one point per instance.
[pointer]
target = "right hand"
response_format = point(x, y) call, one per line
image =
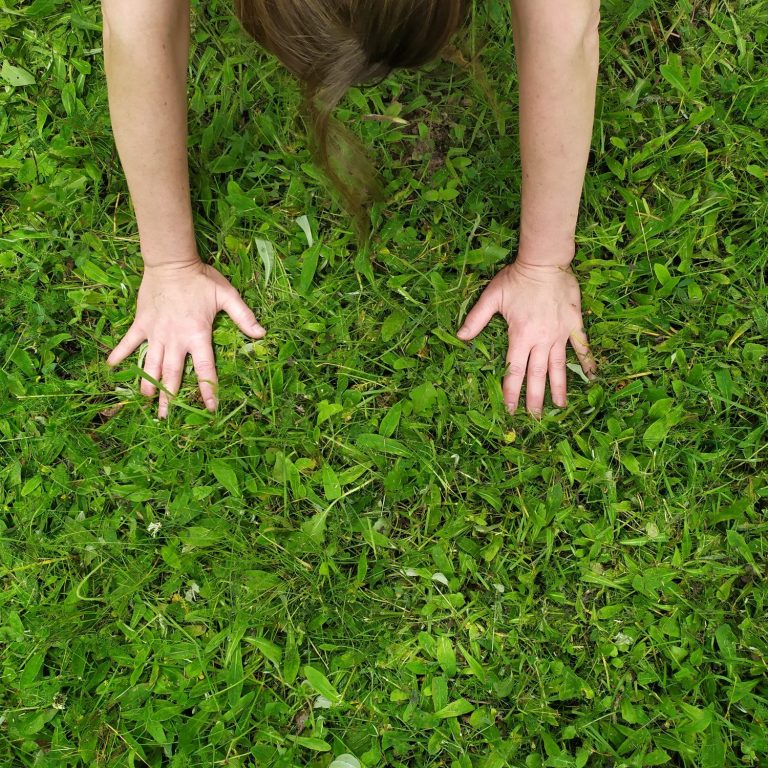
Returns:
point(175, 310)
point(542, 306)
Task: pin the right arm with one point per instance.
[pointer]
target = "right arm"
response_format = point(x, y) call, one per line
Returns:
point(146, 49)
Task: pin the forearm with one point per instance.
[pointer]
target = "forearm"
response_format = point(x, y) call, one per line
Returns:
point(557, 53)
point(146, 50)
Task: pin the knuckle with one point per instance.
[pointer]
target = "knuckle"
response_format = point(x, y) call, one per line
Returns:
point(538, 371)
point(207, 377)
point(205, 366)
point(511, 391)
point(232, 300)
point(515, 370)
point(172, 372)
point(581, 343)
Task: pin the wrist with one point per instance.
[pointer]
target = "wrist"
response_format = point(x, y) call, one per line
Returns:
point(546, 252)
point(173, 268)
point(173, 244)
point(169, 255)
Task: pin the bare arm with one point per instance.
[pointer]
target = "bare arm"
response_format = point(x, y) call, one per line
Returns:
point(146, 49)
point(557, 52)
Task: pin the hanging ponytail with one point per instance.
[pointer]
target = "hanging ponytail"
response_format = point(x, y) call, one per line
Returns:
point(333, 45)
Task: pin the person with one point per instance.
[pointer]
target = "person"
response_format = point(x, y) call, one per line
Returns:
point(330, 44)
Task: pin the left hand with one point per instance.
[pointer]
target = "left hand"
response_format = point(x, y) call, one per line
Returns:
point(542, 307)
point(175, 310)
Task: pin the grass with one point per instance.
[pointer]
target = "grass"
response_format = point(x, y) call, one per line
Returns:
point(362, 554)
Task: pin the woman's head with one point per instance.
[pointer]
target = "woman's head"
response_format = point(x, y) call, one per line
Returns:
point(332, 45)
point(335, 44)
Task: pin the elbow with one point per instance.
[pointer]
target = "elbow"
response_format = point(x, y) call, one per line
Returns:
point(144, 21)
point(568, 29)
point(578, 28)
point(591, 29)
point(575, 35)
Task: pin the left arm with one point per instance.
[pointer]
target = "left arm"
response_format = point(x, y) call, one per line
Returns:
point(557, 53)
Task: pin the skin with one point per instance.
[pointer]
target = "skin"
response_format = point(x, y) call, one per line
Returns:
point(557, 52)
point(146, 50)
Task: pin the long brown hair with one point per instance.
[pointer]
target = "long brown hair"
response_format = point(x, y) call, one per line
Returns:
point(332, 45)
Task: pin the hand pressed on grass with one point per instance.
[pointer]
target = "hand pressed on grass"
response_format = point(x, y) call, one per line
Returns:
point(542, 307)
point(175, 310)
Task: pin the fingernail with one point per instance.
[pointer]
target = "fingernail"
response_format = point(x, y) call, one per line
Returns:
point(511, 407)
point(211, 403)
point(461, 333)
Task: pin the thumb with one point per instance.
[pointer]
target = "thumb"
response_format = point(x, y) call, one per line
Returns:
point(480, 315)
point(242, 315)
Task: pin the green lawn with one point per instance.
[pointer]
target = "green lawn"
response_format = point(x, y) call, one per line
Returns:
point(362, 553)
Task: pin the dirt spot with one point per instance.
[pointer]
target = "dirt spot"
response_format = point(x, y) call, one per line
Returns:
point(434, 146)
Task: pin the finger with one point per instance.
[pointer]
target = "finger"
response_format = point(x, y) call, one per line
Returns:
point(127, 345)
point(152, 365)
point(538, 364)
point(173, 370)
point(517, 359)
point(580, 343)
point(242, 315)
point(557, 376)
point(205, 368)
point(480, 315)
